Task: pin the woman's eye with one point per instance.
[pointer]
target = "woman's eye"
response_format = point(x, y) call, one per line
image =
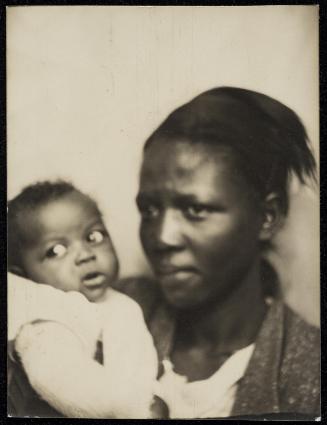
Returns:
point(197, 211)
point(96, 236)
point(56, 251)
point(149, 211)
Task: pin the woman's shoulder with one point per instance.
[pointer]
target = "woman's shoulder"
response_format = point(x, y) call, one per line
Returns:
point(283, 373)
point(300, 366)
point(301, 334)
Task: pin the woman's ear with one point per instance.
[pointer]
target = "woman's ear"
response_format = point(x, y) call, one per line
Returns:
point(272, 216)
point(16, 270)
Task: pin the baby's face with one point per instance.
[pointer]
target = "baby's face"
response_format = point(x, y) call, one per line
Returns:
point(69, 247)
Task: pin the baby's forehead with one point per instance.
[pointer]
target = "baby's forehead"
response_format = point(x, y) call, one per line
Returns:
point(71, 212)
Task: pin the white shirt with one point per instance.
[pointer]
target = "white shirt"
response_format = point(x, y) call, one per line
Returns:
point(209, 398)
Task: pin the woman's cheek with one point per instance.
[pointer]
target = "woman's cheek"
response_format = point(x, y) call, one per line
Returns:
point(148, 236)
point(219, 247)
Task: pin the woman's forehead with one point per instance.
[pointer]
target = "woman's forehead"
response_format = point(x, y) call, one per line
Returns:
point(181, 156)
point(185, 167)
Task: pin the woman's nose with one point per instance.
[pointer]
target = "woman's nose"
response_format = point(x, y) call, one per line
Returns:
point(84, 254)
point(169, 233)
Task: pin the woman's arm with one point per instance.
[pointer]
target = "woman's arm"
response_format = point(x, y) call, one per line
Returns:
point(62, 373)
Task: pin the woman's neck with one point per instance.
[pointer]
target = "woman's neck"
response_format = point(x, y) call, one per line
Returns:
point(229, 324)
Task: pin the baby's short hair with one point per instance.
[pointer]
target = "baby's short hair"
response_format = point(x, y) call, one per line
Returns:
point(29, 199)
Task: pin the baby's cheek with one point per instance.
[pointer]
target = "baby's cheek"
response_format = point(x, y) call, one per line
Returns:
point(40, 273)
point(109, 261)
point(62, 276)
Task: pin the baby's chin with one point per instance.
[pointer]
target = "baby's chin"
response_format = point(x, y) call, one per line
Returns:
point(95, 294)
point(95, 285)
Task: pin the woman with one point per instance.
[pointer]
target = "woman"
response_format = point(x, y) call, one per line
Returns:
point(213, 193)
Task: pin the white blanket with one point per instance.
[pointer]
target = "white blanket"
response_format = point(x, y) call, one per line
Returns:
point(57, 354)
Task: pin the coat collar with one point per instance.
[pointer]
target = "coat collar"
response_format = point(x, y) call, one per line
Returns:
point(258, 389)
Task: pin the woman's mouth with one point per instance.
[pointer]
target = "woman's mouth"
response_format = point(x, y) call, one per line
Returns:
point(175, 273)
point(179, 284)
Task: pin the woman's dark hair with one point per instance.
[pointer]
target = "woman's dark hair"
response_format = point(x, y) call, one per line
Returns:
point(265, 137)
point(28, 200)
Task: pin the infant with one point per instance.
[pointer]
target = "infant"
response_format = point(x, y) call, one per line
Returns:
point(57, 237)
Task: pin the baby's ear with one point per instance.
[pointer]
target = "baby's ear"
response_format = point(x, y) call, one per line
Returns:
point(16, 270)
point(273, 217)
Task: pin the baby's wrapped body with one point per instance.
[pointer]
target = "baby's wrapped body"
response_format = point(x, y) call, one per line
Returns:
point(56, 336)
point(57, 237)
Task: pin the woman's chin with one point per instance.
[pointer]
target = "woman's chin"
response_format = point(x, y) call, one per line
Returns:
point(183, 298)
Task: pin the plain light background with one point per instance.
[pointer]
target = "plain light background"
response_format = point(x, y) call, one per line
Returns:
point(86, 85)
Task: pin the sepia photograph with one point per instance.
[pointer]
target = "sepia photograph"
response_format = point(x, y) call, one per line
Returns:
point(163, 212)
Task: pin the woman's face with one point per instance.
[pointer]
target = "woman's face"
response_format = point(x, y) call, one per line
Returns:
point(199, 226)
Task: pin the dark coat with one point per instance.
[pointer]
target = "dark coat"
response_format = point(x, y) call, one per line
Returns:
point(283, 375)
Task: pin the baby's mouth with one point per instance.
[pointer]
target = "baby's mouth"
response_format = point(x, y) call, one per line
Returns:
point(94, 279)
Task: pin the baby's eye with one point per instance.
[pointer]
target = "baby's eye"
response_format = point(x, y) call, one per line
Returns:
point(56, 251)
point(96, 236)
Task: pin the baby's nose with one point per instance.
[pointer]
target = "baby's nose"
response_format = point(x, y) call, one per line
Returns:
point(84, 254)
